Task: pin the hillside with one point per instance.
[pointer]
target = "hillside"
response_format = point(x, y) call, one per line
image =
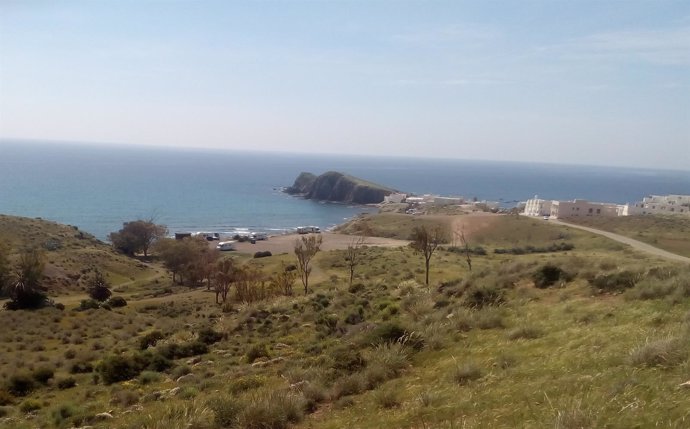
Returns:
point(338, 187)
point(534, 336)
point(70, 254)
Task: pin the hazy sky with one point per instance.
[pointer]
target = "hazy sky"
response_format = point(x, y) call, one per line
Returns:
point(578, 81)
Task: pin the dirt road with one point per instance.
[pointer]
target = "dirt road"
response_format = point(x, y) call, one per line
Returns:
point(635, 244)
point(331, 241)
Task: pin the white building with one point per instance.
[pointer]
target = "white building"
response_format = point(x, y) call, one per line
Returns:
point(537, 207)
point(394, 198)
point(580, 208)
point(662, 204)
point(447, 201)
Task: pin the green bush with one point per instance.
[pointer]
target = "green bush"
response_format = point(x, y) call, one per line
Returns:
point(177, 351)
point(6, 398)
point(255, 352)
point(81, 368)
point(148, 377)
point(4, 412)
point(43, 375)
point(117, 301)
point(150, 339)
point(88, 304)
point(118, 368)
point(664, 353)
point(347, 359)
point(547, 276)
point(30, 405)
point(244, 384)
point(483, 296)
point(226, 411)
point(66, 383)
point(615, 282)
point(209, 336)
point(20, 384)
point(262, 254)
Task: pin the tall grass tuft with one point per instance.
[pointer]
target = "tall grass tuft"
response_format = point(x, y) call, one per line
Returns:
point(664, 353)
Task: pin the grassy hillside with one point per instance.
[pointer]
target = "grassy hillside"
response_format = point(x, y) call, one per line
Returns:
point(605, 345)
point(70, 254)
point(392, 225)
point(671, 233)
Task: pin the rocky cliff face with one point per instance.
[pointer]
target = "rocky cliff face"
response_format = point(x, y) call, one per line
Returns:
point(338, 187)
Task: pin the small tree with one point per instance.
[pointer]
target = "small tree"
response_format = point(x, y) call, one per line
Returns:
point(137, 236)
point(305, 250)
point(26, 290)
point(98, 287)
point(224, 276)
point(353, 255)
point(284, 279)
point(425, 241)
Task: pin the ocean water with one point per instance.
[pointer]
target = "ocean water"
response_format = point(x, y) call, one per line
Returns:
point(97, 187)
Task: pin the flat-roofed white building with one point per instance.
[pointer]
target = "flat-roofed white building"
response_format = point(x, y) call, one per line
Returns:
point(662, 204)
point(395, 198)
point(581, 208)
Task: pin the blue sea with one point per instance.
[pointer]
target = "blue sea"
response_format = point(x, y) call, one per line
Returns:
point(98, 187)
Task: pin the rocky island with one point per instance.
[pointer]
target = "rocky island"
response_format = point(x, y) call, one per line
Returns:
point(338, 187)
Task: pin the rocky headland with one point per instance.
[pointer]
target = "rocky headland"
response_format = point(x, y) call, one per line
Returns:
point(338, 187)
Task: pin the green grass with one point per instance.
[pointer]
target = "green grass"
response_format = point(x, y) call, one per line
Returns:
point(388, 353)
point(671, 233)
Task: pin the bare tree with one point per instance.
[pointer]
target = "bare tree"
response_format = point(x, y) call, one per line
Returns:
point(425, 240)
point(465, 248)
point(305, 250)
point(353, 255)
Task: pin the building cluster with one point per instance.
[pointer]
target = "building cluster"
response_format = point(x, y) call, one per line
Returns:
point(653, 204)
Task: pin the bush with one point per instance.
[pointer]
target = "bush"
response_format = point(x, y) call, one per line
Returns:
point(483, 296)
point(276, 409)
point(88, 304)
point(150, 339)
point(6, 398)
point(30, 405)
point(615, 282)
point(177, 351)
point(664, 353)
point(463, 374)
point(356, 288)
point(226, 411)
point(118, 368)
point(347, 359)
point(262, 254)
point(65, 412)
point(66, 383)
point(81, 368)
point(148, 377)
point(547, 276)
point(525, 332)
point(117, 301)
point(60, 306)
point(209, 336)
point(244, 384)
point(20, 384)
point(4, 411)
point(387, 398)
point(387, 332)
point(43, 375)
point(255, 352)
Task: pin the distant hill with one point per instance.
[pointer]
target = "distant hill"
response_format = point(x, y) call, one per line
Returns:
point(338, 187)
point(70, 254)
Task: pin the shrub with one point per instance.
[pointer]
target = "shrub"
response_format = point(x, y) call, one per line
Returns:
point(209, 336)
point(547, 275)
point(349, 385)
point(148, 377)
point(150, 339)
point(81, 368)
point(4, 411)
point(60, 306)
point(30, 405)
point(356, 288)
point(387, 398)
point(244, 384)
point(347, 359)
point(20, 384)
point(262, 254)
point(118, 368)
point(615, 282)
point(98, 287)
point(88, 304)
point(176, 351)
point(43, 375)
point(6, 398)
point(65, 412)
point(525, 332)
point(664, 353)
point(255, 352)
point(463, 374)
point(226, 411)
point(386, 333)
point(117, 301)
point(483, 296)
point(66, 383)
point(276, 409)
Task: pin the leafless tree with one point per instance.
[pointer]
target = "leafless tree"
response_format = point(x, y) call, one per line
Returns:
point(425, 240)
point(283, 280)
point(224, 276)
point(465, 248)
point(305, 250)
point(353, 255)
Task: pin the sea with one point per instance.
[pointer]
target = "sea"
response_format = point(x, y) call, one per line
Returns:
point(97, 187)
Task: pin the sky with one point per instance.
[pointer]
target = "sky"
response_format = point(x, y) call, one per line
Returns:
point(596, 82)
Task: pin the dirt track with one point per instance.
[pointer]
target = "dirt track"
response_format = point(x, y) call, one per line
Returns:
point(638, 245)
point(331, 241)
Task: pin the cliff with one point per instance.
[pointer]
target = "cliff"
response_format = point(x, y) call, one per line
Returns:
point(338, 187)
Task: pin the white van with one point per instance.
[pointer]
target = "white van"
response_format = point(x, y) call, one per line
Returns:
point(226, 245)
point(308, 229)
point(259, 236)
